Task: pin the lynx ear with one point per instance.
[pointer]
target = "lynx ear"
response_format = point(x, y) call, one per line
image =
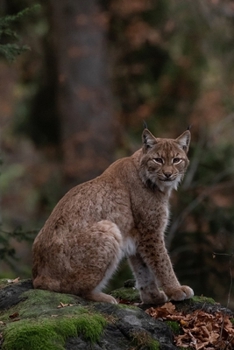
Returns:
point(184, 140)
point(148, 140)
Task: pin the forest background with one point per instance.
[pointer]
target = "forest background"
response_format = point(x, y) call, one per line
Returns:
point(76, 101)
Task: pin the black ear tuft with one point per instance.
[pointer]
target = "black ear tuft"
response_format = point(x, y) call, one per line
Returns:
point(189, 127)
point(145, 126)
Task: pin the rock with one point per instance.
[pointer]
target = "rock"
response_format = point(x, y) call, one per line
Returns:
point(36, 319)
point(13, 294)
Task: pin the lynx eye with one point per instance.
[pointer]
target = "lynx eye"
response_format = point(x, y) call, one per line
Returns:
point(176, 160)
point(158, 160)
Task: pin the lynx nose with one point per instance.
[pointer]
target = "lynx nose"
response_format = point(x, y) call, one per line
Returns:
point(167, 174)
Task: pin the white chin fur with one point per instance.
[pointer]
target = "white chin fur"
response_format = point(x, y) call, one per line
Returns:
point(172, 185)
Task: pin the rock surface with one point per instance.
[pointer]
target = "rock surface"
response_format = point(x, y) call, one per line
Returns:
point(36, 319)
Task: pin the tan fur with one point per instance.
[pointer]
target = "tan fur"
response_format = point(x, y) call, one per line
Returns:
point(123, 212)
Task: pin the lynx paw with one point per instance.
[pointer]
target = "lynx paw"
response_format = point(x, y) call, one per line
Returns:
point(154, 298)
point(181, 293)
point(101, 297)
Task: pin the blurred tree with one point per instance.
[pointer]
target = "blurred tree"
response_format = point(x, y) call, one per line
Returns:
point(9, 50)
point(70, 112)
point(84, 98)
point(152, 58)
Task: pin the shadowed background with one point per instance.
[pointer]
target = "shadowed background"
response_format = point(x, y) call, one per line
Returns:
point(76, 101)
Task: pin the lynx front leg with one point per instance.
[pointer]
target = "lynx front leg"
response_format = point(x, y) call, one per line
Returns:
point(155, 255)
point(145, 282)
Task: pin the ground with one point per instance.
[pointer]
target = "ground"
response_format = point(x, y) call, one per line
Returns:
point(36, 319)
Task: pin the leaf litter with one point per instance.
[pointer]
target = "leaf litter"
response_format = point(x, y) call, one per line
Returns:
point(199, 329)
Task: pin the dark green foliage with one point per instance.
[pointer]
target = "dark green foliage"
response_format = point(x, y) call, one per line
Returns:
point(174, 326)
point(10, 51)
point(8, 36)
point(7, 252)
point(144, 340)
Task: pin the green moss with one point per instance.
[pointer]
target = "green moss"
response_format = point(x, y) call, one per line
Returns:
point(41, 302)
point(4, 282)
point(51, 333)
point(42, 325)
point(154, 345)
point(128, 306)
point(44, 297)
point(130, 294)
point(143, 339)
point(174, 326)
point(203, 299)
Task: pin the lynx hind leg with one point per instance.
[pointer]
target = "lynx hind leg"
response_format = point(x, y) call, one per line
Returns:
point(103, 254)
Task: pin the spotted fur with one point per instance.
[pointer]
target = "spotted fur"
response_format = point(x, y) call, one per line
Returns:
point(123, 212)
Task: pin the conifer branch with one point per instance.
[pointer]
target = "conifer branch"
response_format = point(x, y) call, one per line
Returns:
point(10, 50)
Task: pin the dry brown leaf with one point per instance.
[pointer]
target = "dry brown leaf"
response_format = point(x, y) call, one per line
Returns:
point(16, 280)
point(14, 315)
point(161, 311)
point(169, 307)
point(201, 330)
point(61, 305)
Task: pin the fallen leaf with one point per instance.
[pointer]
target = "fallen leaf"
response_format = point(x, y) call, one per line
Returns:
point(124, 301)
point(183, 323)
point(61, 305)
point(16, 280)
point(201, 330)
point(14, 315)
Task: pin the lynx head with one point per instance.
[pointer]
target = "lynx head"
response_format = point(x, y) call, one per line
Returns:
point(164, 161)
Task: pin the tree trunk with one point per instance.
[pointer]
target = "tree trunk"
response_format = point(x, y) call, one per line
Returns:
point(84, 96)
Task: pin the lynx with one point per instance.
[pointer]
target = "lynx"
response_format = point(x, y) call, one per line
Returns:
point(122, 213)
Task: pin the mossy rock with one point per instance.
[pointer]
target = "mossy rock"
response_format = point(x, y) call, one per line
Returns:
point(45, 320)
point(174, 326)
point(127, 294)
point(39, 320)
point(202, 299)
point(52, 333)
point(201, 302)
point(143, 339)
